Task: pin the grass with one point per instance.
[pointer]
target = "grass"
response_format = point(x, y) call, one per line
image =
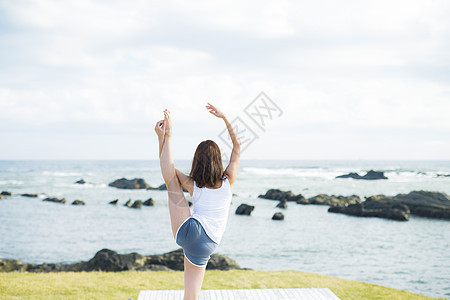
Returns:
point(125, 285)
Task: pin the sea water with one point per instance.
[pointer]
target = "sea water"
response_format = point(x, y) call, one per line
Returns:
point(411, 255)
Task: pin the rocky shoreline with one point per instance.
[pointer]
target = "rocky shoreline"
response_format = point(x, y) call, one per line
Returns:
point(428, 204)
point(110, 261)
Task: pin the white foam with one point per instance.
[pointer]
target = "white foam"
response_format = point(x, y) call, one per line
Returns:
point(61, 173)
point(11, 182)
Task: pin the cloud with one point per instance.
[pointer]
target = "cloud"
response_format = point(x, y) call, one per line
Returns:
point(335, 68)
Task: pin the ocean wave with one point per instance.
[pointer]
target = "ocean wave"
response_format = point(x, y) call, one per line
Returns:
point(11, 182)
point(298, 172)
point(55, 173)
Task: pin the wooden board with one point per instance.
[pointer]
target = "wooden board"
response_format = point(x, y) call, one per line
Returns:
point(245, 294)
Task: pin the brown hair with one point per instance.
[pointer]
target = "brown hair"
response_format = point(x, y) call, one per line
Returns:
point(207, 168)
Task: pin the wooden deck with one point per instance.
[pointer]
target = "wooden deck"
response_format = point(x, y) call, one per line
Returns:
point(245, 294)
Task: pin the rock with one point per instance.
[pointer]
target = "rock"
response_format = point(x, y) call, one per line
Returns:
point(110, 261)
point(190, 203)
point(11, 265)
point(381, 208)
point(128, 203)
point(5, 193)
point(174, 260)
point(324, 199)
point(442, 175)
point(276, 194)
point(149, 202)
point(222, 262)
point(282, 204)
point(137, 204)
point(123, 183)
point(163, 187)
point(244, 209)
point(30, 195)
point(114, 202)
point(78, 202)
point(375, 197)
point(153, 268)
point(56, 200)
point(371, 175)
point(426, 203)
point(81, 181)
point(278, 216)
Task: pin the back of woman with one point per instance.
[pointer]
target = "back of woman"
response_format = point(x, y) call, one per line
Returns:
point(211, 208)
point(210, 186)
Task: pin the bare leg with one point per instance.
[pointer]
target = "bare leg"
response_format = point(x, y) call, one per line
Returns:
point(193, 279)
point(178, 209)
point(178, 206)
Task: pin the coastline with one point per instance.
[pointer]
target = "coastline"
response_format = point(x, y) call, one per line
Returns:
point(127, 284)
point(313, 239)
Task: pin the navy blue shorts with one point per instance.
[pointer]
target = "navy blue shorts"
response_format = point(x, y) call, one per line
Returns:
point(196, 244)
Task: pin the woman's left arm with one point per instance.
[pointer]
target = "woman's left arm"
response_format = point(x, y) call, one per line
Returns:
point(185, 181)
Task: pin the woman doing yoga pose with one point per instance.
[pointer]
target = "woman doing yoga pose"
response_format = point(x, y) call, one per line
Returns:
point(210, 186)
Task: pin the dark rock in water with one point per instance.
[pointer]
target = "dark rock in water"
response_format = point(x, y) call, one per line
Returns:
point(282, 204)
point(371, 175)
point(81, 181)
point(375, 197)
point(381, 208)
point(78, 202)
point(426, 203)
point(5, 193)
point(110, 261)
point(56, 200)
point(128, 203)
point(123, 183)
point(442, 175)
point(163, 187)
point(324, 199)
point(30, 195)
point(114, 202)
point(244, 209)
point(190, 203)
point(149, 202)
point(276, 194)
point(137, 204)
point(278, 216)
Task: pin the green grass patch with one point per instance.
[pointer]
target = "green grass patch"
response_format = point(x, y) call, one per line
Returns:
point(125, 285)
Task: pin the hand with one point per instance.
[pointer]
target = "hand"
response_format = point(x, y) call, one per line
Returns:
point(167, 123)
point(215, 111)
point(160, 129)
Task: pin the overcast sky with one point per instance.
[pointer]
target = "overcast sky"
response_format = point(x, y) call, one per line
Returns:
point(353, 79)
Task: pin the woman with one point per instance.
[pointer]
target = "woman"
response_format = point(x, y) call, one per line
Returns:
point(198, 234)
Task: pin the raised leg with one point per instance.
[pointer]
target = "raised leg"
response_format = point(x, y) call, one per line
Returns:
point(193, 279)
point(178, 206)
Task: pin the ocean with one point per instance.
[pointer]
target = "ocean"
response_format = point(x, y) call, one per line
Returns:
point(412, 255)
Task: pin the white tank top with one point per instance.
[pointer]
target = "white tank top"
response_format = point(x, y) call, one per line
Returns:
point(211, 208)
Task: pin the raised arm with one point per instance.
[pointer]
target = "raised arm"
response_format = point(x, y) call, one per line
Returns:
point(185, 181)
point(232, 168)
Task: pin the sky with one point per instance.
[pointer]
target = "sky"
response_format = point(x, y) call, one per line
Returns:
point(345, 79)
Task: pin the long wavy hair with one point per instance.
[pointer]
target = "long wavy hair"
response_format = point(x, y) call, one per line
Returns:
point(207, 168)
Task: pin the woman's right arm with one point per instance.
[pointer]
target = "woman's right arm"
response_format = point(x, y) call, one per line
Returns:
point(232, 168)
